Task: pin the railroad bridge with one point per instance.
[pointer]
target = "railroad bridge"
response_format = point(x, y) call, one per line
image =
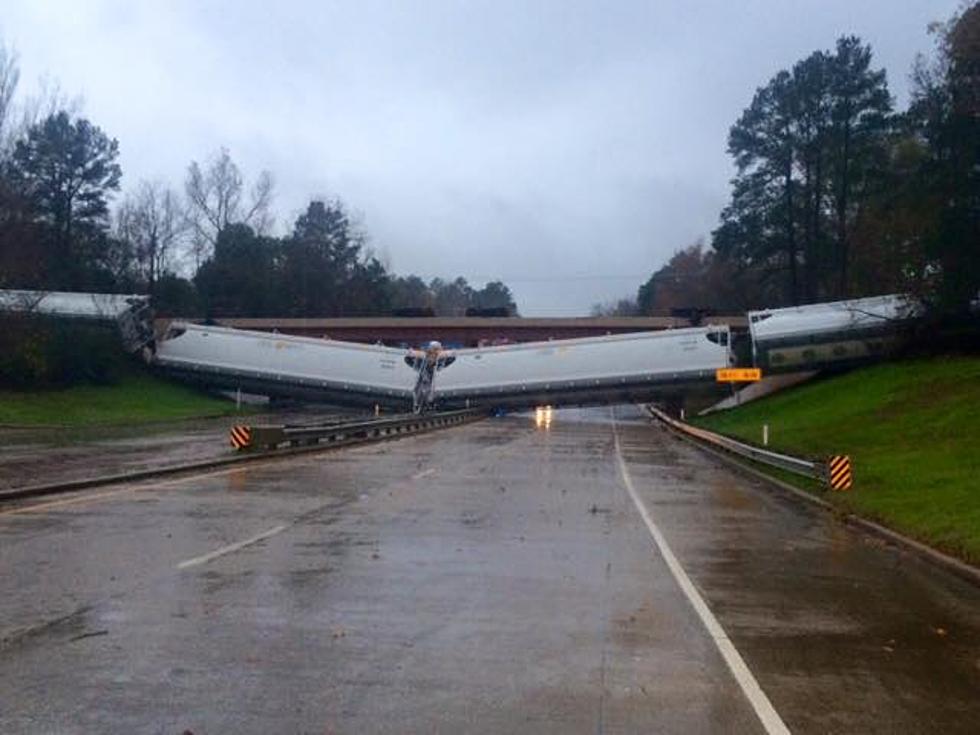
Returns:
point(494, 360)
point(468, 331)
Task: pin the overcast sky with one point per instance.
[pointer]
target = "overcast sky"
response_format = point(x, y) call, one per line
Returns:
point(567, 148)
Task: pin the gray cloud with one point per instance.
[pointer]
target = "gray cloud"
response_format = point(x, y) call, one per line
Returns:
point(568, 147)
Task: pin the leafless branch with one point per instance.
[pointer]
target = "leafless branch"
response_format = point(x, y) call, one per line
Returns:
point(214, 200)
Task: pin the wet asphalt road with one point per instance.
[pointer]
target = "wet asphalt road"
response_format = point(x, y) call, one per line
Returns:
point(493, 578)
point(37, 456)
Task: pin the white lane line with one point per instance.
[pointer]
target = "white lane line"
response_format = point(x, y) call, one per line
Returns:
point(205, 558)
point(424, 473)
point(764, 710)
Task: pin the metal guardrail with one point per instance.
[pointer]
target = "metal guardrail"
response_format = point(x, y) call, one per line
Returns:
point(813, 469)
point(276, 436)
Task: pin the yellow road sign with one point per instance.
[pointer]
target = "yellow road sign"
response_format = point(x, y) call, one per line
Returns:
point(738, 375)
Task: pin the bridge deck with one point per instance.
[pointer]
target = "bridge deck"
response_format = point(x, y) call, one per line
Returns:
point(469, 331)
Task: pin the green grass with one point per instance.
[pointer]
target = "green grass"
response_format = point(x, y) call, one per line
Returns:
point(139, 397)
point(912, 430)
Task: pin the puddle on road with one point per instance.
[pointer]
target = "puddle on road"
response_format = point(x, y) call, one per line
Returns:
point(215, 581)
point(237, 481)
point(728, 495)
point(643, 627)
point(312, 575)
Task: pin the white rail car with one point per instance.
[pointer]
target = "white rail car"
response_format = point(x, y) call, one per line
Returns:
point(284, 365)
point(829, 334)
point(130, 313)
point(617, 367)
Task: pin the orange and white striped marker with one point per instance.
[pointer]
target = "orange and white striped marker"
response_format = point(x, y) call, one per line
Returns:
point(839, 472)
point(240, 436)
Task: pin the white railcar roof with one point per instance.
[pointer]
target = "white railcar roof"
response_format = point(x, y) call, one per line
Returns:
point(831, 316)
point(177, 328)
point(72, 304)
point(658, 335)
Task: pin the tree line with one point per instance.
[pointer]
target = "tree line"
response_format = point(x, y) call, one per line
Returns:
point(838, 195)
point(208, 251)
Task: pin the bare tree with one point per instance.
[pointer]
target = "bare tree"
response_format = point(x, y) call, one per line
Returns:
point(625, 306)
point(152, 220)
point(9, 77)
point(19, 116)
point(48, 100)
point(216, 199)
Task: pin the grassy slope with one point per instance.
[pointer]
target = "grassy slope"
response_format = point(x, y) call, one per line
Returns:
point(137, 398)
point(912, 430)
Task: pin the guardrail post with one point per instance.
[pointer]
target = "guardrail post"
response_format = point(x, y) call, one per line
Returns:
point(267, 436)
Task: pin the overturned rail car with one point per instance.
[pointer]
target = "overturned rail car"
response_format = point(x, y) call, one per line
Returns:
point(833, 334)
point(622, 367)
point(272, 364)
point(129, 313)
point(579, 371)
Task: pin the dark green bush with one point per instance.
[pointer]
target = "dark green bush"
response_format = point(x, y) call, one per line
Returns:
point(36, 352)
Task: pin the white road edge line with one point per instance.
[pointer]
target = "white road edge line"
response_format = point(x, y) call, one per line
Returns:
point(205, 558)
point(764, 710)
point(424, 473)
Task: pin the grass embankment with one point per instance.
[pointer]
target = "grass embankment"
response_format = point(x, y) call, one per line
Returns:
point(912, 430)
point(138, 397)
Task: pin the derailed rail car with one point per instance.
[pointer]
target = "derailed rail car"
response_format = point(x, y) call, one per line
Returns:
point(579, 371)
point(284, 365)
point(621, 367)
point(833, 334)
point(129, 313)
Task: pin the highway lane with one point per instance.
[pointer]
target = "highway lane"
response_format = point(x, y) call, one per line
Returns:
point(499, 577)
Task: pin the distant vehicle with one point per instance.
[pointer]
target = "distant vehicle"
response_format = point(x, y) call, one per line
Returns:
point(414, 312)
point(829, 334)
point(695, 315)
point(495, 311)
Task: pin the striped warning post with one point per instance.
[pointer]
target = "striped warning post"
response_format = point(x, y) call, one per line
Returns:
point(240, 436)
point(839, 472)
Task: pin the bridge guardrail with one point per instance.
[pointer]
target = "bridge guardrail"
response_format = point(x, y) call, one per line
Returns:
point(813, 469)
point(276, 436)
